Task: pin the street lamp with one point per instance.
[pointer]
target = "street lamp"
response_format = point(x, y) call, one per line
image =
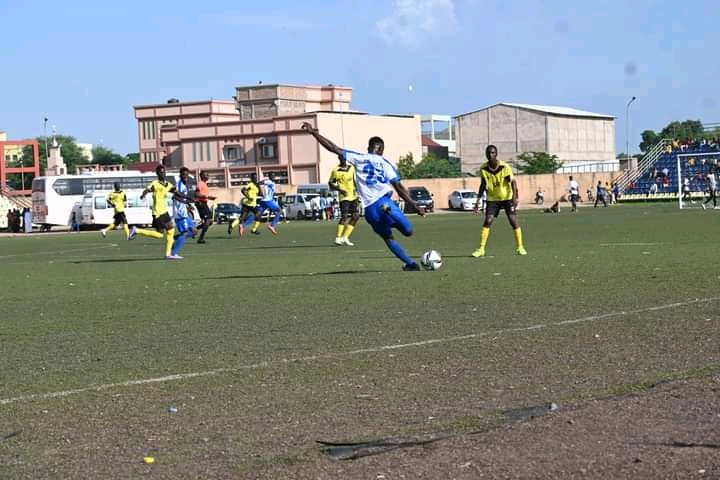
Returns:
point(627, 131)
point(47, 154)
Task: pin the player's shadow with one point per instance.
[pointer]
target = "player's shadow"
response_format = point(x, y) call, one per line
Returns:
point(119, 260)
point(270, 247)
point(285, 275)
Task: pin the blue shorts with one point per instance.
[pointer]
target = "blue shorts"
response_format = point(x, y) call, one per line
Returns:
point(184, 225)
point(268, 205)
point(384, 214)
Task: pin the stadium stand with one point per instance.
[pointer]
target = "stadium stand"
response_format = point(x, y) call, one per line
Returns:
point(660, 167)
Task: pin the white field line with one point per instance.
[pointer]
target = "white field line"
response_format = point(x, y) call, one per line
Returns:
point(337, 355)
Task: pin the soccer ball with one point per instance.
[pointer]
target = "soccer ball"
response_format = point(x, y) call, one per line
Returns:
point(431, 260)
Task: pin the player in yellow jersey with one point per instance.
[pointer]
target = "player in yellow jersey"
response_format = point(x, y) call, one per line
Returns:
point(250, 212)
point(116, 199)
point(496, 178)
point(342, 180)
point(162, 222)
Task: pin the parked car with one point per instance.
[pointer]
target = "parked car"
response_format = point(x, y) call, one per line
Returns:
point(462, 200)
point(422, 197)
point(225, 212)
point(298, 206)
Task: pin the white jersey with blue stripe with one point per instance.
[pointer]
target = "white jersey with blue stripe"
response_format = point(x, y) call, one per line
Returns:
point(374, 175)
point(179, 208)
point(268, 189)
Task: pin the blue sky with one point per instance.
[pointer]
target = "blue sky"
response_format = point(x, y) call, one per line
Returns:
point(85, 64)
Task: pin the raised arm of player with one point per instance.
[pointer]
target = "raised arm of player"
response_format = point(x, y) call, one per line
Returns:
point(326, 143)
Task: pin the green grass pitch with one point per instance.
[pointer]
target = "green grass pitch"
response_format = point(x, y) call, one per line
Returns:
point(266, 344)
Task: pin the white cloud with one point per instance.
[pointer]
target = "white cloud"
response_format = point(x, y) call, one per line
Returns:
point(412, 22)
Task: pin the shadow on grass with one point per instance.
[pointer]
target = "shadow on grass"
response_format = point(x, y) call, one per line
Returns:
point(313, 274)
point(120, 260)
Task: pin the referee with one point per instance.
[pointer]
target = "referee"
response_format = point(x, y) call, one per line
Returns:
point(202, 197)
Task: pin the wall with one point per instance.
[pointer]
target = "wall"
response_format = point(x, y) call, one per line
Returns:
point(555, 186)
point(510, 129)
point(400, 133)
point(581, 139)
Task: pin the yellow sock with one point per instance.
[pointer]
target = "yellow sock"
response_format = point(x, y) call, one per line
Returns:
point(126, 229)
point(340, 229)
point(169, 239)
point(518, 237)
point(255, 226)
point(484, 234)
point(348, 230)
point(234, 223)
point(109, 227)
point(148, 233)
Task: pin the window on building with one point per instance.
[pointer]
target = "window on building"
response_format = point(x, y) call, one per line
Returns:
point(426, 128)
point(233, 153)
point(281, 176)
point(268, 151)
point(442, 129)
point(148, 130)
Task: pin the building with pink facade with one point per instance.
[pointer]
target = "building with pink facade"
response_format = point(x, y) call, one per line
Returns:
point(259, 132)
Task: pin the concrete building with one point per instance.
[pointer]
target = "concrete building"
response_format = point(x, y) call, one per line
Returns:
point(260, 132)
point(575, 136)
point(441, 130)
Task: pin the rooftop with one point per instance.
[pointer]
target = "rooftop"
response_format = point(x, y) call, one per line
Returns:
point(552, 110)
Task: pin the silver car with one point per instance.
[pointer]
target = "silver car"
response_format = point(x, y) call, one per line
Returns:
point(462, 200)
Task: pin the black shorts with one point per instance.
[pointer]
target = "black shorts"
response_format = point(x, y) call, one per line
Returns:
point(574, 197)
point(348, 207)
point(247, 209)
point(120, 219)
point(493, 208)
point(162, 222)
point(203, 210)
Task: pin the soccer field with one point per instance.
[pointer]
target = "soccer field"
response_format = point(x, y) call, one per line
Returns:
point(265, 344)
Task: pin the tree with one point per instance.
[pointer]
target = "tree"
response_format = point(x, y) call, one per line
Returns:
point(433, 167)
point(649, 138)
point(406, 166)
point(105, 156)
point(538, 162)
point(71, 153)
point(683, 130)
point(132, 158)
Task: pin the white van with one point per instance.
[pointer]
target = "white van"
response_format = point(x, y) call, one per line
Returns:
point(96, 211)
point(298, 206)
point(317, 189)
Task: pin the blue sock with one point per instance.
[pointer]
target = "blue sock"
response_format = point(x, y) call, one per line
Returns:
point(277, 217)
point(398, 251)
point(178, 244)
point(249, 220)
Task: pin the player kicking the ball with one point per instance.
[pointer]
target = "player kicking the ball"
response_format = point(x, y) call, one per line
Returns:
point(376, 178)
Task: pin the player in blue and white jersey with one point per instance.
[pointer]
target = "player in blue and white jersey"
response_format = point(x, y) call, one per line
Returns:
point(268, 202)
point(183, 213)
point(376, 179)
